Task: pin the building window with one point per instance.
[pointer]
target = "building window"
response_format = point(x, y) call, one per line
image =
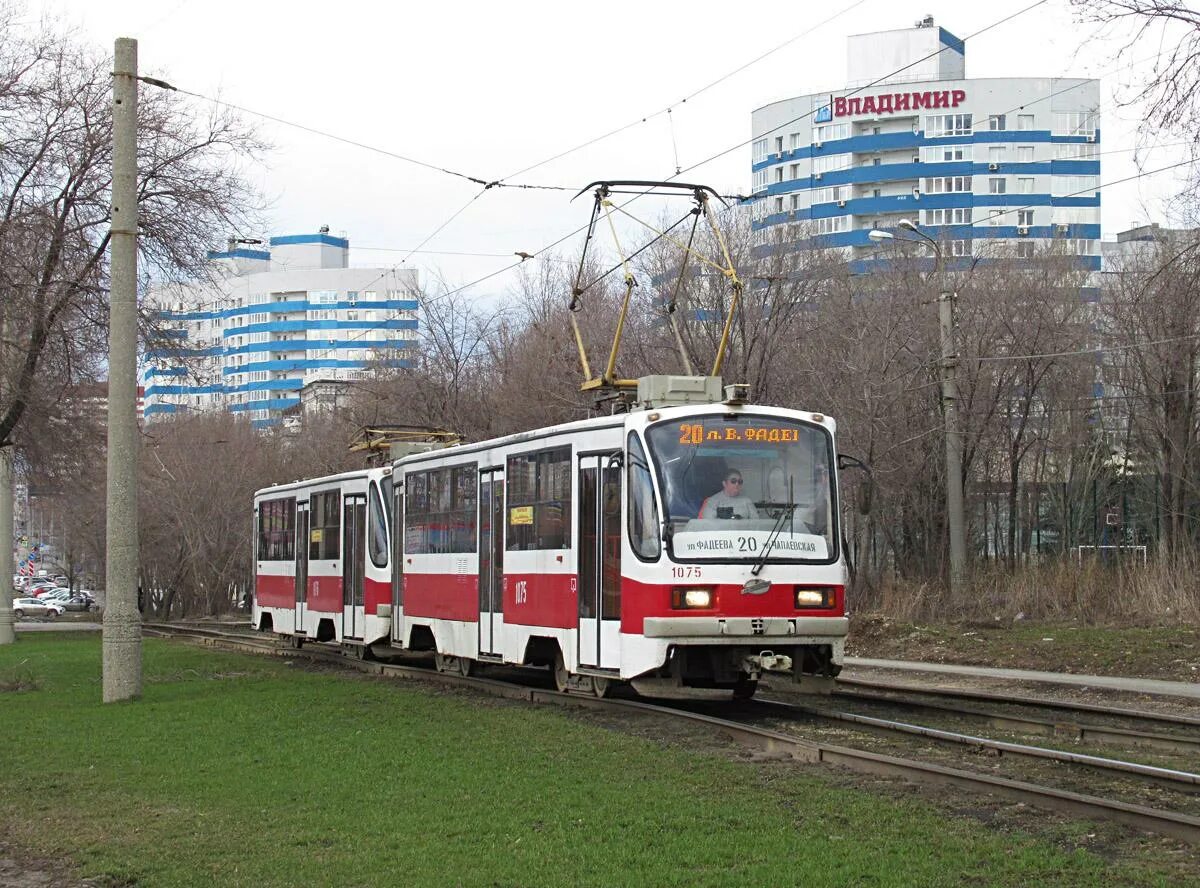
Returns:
point(830, 131)
point(831, 163)
point(940, 125)
point(779, 204)
point(794, 141)
point(1076, 123)
point(794, 171)
point(1076, 216)
point(760, 180)
point(946, 153)
point(995, 153)
point(1025, 249)
point(996, 217)
point(996, 122)
point(831, 194)
point(1024, 121)
point(960, 248)
point(760, 151)
point(947, 184)
point(1024, 154)
point(831, 225)
point(1066, 186)
point(1025, 218)
point(948, 216)
point(1024, 185)
point(779, 144)
point(1075, 151)
point(997, 185)
point(778, 174)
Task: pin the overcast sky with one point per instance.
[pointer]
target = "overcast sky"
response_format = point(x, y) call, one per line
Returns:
point(491, 88)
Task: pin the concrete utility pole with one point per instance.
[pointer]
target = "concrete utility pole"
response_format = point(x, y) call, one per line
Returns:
point(7, 634)
point(954, 438)
point(122, 621)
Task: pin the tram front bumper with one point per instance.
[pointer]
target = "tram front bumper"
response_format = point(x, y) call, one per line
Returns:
point(736, 630)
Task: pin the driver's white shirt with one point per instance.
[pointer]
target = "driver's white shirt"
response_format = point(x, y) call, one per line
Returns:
point(742, 505)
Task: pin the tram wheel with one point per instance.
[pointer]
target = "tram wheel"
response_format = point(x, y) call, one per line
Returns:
point(441, 662)
point(601, 686)
point(295, 642)
point(562, 678)
point(465, 666)
point(744, 689)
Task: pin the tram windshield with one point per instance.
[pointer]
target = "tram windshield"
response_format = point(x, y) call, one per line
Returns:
point(741, 487)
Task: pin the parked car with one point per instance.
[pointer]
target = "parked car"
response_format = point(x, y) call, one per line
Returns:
point(32, 607)
point(79, 603)
point(53, 592)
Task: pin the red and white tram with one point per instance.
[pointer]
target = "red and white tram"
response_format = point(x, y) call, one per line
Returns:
point(322, 554)
point(591, 547)
point(694, 546)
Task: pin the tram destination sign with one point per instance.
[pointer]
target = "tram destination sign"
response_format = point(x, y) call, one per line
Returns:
point(694, 434)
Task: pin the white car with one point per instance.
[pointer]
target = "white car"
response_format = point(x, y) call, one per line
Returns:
point(33, 607)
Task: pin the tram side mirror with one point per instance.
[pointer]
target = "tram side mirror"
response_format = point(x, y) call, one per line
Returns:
point(866, 487)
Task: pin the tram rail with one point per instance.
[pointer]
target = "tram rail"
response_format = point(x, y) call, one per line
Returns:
point(1177, 825)
point(856, 688)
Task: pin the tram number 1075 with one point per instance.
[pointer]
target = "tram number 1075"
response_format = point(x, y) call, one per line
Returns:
point(680, 572)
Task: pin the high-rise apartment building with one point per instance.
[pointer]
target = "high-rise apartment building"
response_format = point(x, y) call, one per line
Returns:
point(991, 166)
point(273, 322)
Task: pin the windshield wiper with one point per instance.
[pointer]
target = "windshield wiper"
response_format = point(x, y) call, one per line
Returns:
point(786, 513)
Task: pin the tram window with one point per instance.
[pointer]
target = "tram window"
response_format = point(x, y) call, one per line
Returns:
point(277, 530)
point(539, 500)
point(441, 512)
point(378, 533)
point(387, 491)
point(643, 511)
point(325, 533)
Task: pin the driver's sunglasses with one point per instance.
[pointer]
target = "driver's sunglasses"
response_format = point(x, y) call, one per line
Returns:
point(734, 480)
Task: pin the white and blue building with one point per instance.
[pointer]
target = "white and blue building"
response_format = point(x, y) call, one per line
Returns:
point(273, 322)
point(990, 167)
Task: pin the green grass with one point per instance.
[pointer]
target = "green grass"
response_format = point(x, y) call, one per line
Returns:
point(238, 770)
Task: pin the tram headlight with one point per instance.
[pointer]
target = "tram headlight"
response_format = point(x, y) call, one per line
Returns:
point(813, 597)
point(691, 597)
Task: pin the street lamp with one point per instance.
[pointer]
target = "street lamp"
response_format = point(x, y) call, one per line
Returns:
point(948, 367)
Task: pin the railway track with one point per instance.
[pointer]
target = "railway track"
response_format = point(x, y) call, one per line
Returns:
point(913, 695)
point(780, 743)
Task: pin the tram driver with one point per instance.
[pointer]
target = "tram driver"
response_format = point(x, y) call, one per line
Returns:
point(729, 501)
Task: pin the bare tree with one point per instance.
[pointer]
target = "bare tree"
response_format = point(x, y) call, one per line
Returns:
point(1154, 304)
point(55, 171)
point(1171, 96)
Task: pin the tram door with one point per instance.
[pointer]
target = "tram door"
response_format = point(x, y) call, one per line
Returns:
point(491, 560)
point(354, 531)
point(599, 563)
point(301, 563)
point(398, 561)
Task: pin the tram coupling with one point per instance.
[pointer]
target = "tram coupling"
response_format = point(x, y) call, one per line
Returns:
point(766, 661)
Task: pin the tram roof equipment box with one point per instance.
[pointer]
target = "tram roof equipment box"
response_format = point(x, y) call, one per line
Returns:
point(677, 391)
